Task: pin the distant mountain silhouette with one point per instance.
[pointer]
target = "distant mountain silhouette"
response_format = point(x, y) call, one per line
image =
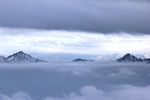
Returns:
point(131, 58)
point(81, 60)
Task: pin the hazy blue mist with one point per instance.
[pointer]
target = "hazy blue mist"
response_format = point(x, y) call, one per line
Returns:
point(86, 81)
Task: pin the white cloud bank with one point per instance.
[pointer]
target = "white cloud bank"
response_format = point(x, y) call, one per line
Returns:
point(75, 81)
point(16, 96)
point(50, 41)
point(90, 92)
point(125, 93)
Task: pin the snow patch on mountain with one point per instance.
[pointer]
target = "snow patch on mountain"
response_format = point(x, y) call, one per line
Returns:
point(20, 57)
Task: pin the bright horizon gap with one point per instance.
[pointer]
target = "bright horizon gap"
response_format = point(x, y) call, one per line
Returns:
point(71, 42)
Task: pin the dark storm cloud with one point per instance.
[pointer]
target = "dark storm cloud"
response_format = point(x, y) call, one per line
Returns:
point(106, 16)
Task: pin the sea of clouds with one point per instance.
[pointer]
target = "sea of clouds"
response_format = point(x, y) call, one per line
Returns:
point(75, 81)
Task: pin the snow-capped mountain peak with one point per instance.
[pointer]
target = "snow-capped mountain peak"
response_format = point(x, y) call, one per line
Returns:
point(21, 57)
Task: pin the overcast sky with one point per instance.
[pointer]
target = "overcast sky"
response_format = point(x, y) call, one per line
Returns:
point(75, 26)
point(101, 16)
point(69, 42)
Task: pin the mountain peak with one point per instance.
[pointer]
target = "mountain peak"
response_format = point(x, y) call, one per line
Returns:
point(81, 60)
point(21, 52)
point(129, 58)
point(21, 57)
point(128, 54)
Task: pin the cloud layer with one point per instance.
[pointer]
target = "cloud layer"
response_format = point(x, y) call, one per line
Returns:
point(92, 93)
point(75, 81)
point(69, 42)
point(102, 16)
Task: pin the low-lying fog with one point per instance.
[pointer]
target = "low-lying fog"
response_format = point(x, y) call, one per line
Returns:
point(75, 81)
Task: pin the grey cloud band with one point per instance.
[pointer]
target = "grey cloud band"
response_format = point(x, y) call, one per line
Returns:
point(102, 16)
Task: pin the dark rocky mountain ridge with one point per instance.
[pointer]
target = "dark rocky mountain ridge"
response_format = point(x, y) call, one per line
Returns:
point(81, 60)
point(131, 58)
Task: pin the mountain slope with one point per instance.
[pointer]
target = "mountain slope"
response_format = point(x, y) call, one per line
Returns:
point(21, 57)
point(2, 59)
point(130, 58)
